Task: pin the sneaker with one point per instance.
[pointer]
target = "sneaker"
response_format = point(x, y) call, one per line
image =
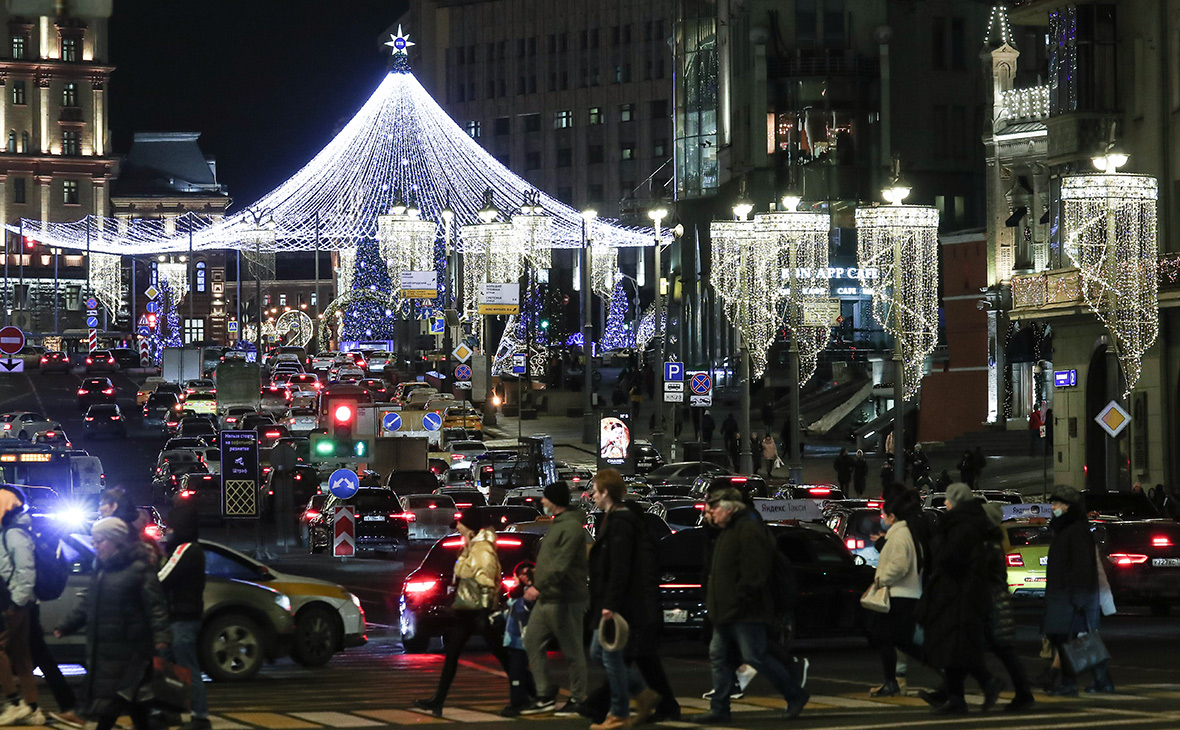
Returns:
point(734, 694)
point(539, 706)
point(803, 664)
point(571, 708)
point(36, 717)
point(510, 711)
point(67, 719)
point(794, 709)
point(14, 713)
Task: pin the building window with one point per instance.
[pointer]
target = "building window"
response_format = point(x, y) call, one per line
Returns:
point(532, 122)
point(596, 116)
point(11, 142)
point(626, 112)
point(563, 119)
point(659, 109)
point(18, 47)
point(194, 330)
point(594, 154)
point(201, 277)
point(520, 86)
point(282, 300)
point(69, 94)
point(627, 153)
point(473, 128)
point(24, 141)
point(565, 157)
point(958, 45)
point(659, 148)
point(500, 126)
point(532, 46)
point(69, 143)
point(565, 80)
point(18, 93)
point(491, 89)
point(552, 43)
point(69, 49)
point(532, 161)
point(69, 192)
point(563, 42)
point(594, 38)
point(18, 190)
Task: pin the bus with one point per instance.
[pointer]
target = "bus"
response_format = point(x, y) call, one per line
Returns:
point(70, 473)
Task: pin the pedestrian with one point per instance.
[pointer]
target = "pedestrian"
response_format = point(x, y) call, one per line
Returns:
point(979, 461)
point(1035, 424)
point(733, 448)
point(944, 481)
point(560, 590)
point(955, 602)
point(967, 468)
point(729, 434)
point(477, 595)
point(887, 473)
point(182, 577)
point(844, 465)
point(768, 415)
point(898, 569)
point(520, 679)
point(19, 573)
point(921, 463)
point(1072, 587)
point(739, 606)
point(860, 472)
point(125, 615)
point(618, 602)
point(769, 453)
point(1000, 631)
point(707, 427)
point(43, 659)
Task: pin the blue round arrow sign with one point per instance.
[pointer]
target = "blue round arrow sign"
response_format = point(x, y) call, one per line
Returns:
point(344, 483)
point(432, 421)
point(391, 421)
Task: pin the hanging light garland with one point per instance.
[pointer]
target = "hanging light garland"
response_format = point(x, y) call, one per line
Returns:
point(747, 274)
point(406, 242)
point(176, 276)
point(106, 277)
point(1109, 221)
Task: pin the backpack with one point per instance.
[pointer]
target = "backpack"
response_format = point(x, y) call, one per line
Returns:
point(50, 565)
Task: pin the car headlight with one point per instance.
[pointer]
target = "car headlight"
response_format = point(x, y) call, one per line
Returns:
point(283, 601)
point(356, 601)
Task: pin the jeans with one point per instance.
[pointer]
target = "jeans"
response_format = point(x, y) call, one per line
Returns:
point(520, 681)
point(184, 652)
point(624, 682)
point(63, 695)
point(563, 622)
point(751, 640)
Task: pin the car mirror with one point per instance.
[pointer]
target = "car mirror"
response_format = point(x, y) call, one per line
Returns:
point(859, 560)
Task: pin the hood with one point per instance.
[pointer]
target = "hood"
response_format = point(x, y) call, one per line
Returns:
point(11, 502)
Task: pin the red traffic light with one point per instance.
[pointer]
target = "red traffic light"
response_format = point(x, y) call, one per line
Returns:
point(343, 413)
point(29, 242)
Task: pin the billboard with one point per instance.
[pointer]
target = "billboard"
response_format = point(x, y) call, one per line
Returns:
point(615, 442)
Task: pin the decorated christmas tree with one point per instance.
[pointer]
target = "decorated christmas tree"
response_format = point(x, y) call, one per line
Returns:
point(363, 320)
point(618, 333)
point(172, 336)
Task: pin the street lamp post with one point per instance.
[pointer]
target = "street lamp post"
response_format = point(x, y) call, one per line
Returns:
point(487, 216)
point(589, 420)
point(740, 211)
point(657, 215)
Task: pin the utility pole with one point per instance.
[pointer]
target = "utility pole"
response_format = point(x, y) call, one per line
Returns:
point(589, 421)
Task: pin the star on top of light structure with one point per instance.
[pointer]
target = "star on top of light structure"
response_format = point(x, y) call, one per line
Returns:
point(400, 43)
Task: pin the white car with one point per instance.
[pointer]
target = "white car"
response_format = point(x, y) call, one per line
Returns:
point(323, 360)
point(301, 420)
point(24, 424)
point(428, 516)
point(304, 395)
point(233, 416)
point(200, 385)
point(328, 618)
point(376, 360)
point(463, 452)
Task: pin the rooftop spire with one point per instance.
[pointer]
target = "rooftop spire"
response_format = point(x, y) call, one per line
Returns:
point(999, 30)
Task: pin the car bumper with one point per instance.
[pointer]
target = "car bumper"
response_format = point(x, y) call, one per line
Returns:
point(352, 641)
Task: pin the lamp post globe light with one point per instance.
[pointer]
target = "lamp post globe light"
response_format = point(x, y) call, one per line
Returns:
point(901, 242)
point(657, 214)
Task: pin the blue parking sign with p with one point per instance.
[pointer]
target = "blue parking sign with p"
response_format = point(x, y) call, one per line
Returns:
point(674, 371)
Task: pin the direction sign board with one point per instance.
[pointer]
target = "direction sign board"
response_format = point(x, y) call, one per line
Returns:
point(496, 298)
point(151, 292)
point(673, 371)
point(91, 303)
point(463, 385)
point(92, 321)
point(1113, 418)
point(519, 363)
point(821, 314)
point(12, 340)
point(239, 474)
point(12, 366)
point(463, 353)
point(391, 421)
point(344, 531)
point(344, 483)
point(438, 325)
point(671, 396)
point(432, 421)
point(153, 307)
point(419, 284)
point(462, 372)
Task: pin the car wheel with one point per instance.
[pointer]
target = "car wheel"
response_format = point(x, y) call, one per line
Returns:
point(1160, 609)
point(315, 547)
point(231, 648)
point(417, 644)
point(317, 634)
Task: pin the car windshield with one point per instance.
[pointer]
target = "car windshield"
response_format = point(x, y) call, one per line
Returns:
point(413, 482)
point(108, 409)
point(422, 501)
point(1021, 535)
point(863, 523)
point(671, 470)
point(373, 500)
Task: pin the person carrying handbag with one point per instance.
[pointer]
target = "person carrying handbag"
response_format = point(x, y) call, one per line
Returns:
point(477, 596)
point(899, 572)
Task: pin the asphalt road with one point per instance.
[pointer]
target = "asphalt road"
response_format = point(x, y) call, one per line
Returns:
point(374, 685)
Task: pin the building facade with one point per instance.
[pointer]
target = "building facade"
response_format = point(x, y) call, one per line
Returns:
point(55, 163)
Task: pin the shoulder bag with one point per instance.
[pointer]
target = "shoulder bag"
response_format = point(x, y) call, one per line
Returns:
point(876, 598)
point(1085, 651)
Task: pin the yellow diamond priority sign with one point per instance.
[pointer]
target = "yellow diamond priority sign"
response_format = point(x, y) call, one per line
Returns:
point(1113, 418)
point(462, 353)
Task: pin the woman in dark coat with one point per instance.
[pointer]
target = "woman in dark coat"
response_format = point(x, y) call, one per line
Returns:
point(125, 615)
point(956, 601)
point(1071, 586)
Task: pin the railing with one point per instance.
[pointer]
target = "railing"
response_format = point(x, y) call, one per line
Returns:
point(839, 63)
point(71, 114)
point(1061, 286)
point(1031, 103)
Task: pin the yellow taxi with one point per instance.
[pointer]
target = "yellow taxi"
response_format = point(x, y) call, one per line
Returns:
point(462, 416)
point(1028, 556)
point(149, 386)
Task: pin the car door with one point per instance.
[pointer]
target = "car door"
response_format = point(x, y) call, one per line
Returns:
point(829, 599)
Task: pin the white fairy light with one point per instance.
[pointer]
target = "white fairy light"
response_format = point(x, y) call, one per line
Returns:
point(801, 240)
point(604, 265)
point(1109, 222)
point(106, 277)
point(406, 242)
point(176, 276)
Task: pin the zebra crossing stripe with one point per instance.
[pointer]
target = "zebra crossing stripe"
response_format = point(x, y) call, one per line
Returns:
point(272, 720)
point(338, 719)
point(400, 717)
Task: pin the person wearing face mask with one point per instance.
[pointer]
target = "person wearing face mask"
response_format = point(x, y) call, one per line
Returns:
point(898, 568)
point(561, 589)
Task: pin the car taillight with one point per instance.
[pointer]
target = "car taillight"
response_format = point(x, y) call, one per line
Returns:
point(420, 586)
point(819, 490)
point(407, 516)
point(152, 531)
point(114, 418)
point(1122, 559)
point(310, 514)
point(110, 361)
point(1015, 560)
point(44, 359)
point(108, 391)
point(509, 583)
point(8, 427)
point(272, 434)
point(89, 361)
point(90, 418)
point(82, 391)
point(737, 480)
point(186, 493)
point(459, 515)
point(230, 419)
point(453, 542)
point(508, 541)
point(680, 585)
point(1162, 541)
point(50, 434)
point(853, 543)
point(700, 506)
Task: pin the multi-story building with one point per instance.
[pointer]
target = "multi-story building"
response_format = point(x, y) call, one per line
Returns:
point(1065, 79)
point(55, 163)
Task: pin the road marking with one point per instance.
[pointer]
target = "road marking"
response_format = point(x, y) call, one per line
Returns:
point(400, 717)
point(482, 668)
point(460, 715)
point(272, 720)
point(337, 719)
point(218, 723)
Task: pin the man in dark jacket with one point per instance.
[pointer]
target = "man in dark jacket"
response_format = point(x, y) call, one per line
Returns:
point(1071, 586)
point(19, 573)
point(843, 466)
point(183, 579)
point(617, 588)
point(560, 589)
point(739, 605)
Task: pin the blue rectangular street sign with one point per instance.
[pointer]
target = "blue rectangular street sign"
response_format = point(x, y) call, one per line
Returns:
point(438, 326)
point(673, 371)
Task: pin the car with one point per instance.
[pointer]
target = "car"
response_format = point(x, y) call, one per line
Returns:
point(655, 526)
point(54, 439)
point(328, 618)
point(159, 402)
point(428, 516)
point(681, 473)
point(252, 421)
point(54, 361)
point(751, 486)
point(376, 360)
point(194, 426)
point(198, 385)
point(412, 481)
point(322, 361)
point(304, 395)
point(346, 374)
point(177, 443)
point(500, 516)
point(202, 490)
point(270, 433)
point(274, 399)
point(166, 481)
point(425, 600)
point(1123, 505)
point(301, 420)
point(1003, 496)
point(856, 527)
point(310, 379)
point(95, 390)
point(462, 415)
point(244, 624)
point(105, 419)
point(1028, 557)
point(149, 386)
point(683, 514)
point(831, 581)
point(819, 492)
point(647, 458)
point(23, 424)
point(100, 361)
point(524, 496)
point(463, 476)
point(1142, 562)
point(464, 497)
point(304, 481)
point(420, 397)
point(403, 391)
point(201, 403)
point(379, 526)
point(576, 474)
point(463, 453)
point(126, 358)
point(377, 388)
point(233, 415)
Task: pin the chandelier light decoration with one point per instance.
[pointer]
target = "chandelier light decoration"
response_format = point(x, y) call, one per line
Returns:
point(106, 278)
point(747, 275)
point(901, 243)
point(1109, 221)
point(176, 276)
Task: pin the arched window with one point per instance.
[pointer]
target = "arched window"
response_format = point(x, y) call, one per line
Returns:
point(12, 141)
point(24, 141)
point(201, 277)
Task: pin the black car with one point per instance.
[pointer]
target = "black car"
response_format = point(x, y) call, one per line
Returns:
point(1142, 562)
point(502, 515)
point(104, 419)
point(166, 480)
point(379, 522)
point(750, 486)
point(126, 357)
point(101, 361)
point(647, 458)
point(197, 427)
point(269, 434)
point(425, 601)
point(1123, 505)
point(821, 492)
point(464, 497)
point(830, 580)
point(55, 362)
point(681, 473)
point(96, 390)
point(304, 481)
point(202, 490)
point(158, 403)
point(412, 481)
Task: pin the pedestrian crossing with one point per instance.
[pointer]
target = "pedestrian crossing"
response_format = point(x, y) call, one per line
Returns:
point(841, 710)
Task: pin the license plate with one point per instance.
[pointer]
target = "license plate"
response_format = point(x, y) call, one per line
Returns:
point(1165, 562)
point(374, 518)
point(675, 616)
point(1045, 560)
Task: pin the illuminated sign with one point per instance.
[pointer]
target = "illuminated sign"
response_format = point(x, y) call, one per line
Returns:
point(1065, 378)
point(841, 281)
point(26, 458)
point(614, 441)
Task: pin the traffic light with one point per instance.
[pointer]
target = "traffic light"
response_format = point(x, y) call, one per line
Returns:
point(339, 440)
point(545, 323)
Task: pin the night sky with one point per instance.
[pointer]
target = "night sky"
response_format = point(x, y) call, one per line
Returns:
point(267, 83)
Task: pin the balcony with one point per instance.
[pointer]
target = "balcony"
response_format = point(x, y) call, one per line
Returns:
point(1060, 287)
point(1024, 105)
point(826, 62)
point(70, 114)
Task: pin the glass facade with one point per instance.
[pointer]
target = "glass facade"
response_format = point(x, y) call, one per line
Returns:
point(696, 86)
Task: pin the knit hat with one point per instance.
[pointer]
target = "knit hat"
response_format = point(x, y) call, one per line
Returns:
point(959, 493)
point(558, 493)
point(110, 528)
point(1066, 494)
point(994, 512)
point(471, 520)
point(613, 632)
